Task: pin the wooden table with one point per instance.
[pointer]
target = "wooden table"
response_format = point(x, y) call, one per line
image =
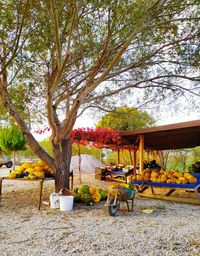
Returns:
point(40, 181)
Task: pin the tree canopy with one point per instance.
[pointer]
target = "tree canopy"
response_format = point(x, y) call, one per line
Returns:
point(72, 55)
point(12, 139)
point(126, 118)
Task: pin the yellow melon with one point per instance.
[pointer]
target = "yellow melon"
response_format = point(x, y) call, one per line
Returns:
point(193, 180)
point(26, 165)
point(153, 179)
point(20, 168)
point(30, 170)
point(41, 163)
point(92, 190)
point(163, 178)
point(184, 180)
point(154, 174)
point(187, 175)
point(38, 168)
point(178, 181)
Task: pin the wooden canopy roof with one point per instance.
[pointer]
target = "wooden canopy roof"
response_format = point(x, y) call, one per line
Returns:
point(173, 136)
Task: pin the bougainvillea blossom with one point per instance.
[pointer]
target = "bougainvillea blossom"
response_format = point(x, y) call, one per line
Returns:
point(97, 137)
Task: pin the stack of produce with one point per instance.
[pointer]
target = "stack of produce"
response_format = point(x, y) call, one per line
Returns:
point(32, 171)
point(172, 176)
point(89, 194)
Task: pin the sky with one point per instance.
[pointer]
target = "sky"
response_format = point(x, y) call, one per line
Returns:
point(167, 117)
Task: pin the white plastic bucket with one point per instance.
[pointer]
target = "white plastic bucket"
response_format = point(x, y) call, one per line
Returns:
point(55, 200)
point(66, 203)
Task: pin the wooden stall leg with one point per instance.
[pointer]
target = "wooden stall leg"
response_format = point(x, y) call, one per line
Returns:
point(72, 180)
point(41, 188)
point(134, 162)
point(143, 189)
point(152, 190)
point(170, 192)
point(127, 205)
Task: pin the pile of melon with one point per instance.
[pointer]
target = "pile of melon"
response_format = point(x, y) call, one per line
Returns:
point(171, 176)
point(89, 194)
point(38, 170)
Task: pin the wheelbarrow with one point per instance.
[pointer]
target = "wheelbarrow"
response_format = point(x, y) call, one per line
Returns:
point(119, 194)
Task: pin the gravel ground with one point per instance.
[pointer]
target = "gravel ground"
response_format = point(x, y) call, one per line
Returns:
point(172, 229)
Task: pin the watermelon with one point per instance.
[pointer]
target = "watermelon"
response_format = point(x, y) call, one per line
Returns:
point(77, 198)
point(103, 194)
point(86, 198)
point(83, 189)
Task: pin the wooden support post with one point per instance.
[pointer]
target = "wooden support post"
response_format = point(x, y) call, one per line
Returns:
point(1, 180)
point(157, 157)
point(147, 155)
point(71, 174)
point(152, 154)
point(131, 158)
point(141, 149)
point(134, 161)
point(118, 156)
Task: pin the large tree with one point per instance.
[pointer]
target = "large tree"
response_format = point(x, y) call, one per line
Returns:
point(72, 55)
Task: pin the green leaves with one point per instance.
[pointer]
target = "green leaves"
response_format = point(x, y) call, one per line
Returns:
point(126, 118)
point(12, 139)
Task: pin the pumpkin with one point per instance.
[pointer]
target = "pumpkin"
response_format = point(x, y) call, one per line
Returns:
point(96, 197)
point(92, 190)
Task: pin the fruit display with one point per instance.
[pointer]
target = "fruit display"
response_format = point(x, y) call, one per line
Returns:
point(89, 194)
point(170, 176)
point(32, 171)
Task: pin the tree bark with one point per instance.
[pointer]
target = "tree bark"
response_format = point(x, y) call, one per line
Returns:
point(62, 164)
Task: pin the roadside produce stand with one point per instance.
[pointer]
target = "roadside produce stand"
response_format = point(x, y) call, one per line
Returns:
point(167, 137)
point(40, 181)
point(32, 172)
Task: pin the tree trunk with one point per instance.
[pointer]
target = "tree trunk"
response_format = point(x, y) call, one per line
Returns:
point(163, 156)
point(79, 164)
point(62, 163)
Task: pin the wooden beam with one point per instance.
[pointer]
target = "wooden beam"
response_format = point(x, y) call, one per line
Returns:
point(141, 149)
point(118, 156)
point(134, 161)
point(157, 157)
point(153, 154)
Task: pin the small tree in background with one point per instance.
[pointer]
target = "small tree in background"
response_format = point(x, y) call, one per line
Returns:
point(12, 140)
point(126, 118)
